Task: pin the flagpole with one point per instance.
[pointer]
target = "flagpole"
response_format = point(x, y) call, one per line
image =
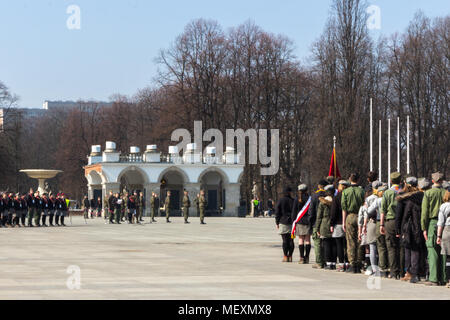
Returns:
point(389, 153)
point(371, 137)
point(398, 144)
point(334, 156)
point(379, 152)
point(407, 145)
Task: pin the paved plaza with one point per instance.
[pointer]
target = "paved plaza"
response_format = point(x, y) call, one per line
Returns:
point(229, 258)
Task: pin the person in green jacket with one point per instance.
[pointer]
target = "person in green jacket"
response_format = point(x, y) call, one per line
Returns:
point(323, 227)
point(387, 225)
point(167, 207)
point(432, 200)
point(352, 200)
point(186, 206)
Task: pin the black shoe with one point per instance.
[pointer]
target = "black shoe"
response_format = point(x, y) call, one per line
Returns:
point(186, 222)
point(153, 220)
point(356, 270)
point(44, 225)
point(414, 279)
point(168, 221)
point(63, 224)
point(202, 222)
point(350, 269)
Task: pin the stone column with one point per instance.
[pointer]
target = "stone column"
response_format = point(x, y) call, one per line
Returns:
point(110, 186)
point(232, 198)
point(193, 189)
point(90, 192)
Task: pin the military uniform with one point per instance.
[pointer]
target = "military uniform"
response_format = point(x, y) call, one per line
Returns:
point(123, 209)
point(186, 206)
point(140, 208)
point(153, 208)
point(202, 203)
point(167, 207)
point(352, 200)
point(431, 203)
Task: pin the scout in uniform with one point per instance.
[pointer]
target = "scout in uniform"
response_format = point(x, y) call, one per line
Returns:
point(312, 213)
point(323, 227)
point(167, 206)
point(186, 206)
point(202, 203)
point(387, 225)
point(45, 209)
point(432, 200)
point(352, 200)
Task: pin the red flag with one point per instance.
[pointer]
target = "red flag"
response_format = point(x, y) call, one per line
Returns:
point(334, 169)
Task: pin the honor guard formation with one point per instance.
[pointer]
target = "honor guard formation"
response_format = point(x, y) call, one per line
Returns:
point(33, 209)
point(118, 208)
point(398, 231)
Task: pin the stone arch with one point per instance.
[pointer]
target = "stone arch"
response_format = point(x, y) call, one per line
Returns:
point(95, 177)
point(132, 178)
point(214, 182)
point(174, 169)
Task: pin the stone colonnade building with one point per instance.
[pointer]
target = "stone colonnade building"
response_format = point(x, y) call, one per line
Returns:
point(152, 172)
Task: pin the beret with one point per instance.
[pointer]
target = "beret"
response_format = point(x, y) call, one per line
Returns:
point(437, 176)
point(424, 183)
point(376, 184)
point(396, 177)
point(412, 181)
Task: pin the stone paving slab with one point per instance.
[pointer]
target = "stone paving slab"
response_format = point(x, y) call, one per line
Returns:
point(229, 258)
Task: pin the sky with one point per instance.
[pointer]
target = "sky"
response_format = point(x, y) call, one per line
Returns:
point(45, 56)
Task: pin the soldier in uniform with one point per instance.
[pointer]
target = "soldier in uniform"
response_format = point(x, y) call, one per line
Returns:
point(432, 200)
point(167, 206)
point(388, 227)
point(106, 209)
point(153, 207)
point(352, 200)
point(131, 206)
point(141, 207)
point(45, 209)
point(23, 210)
point(196, 202)
point(202, 203)
point(186, 206)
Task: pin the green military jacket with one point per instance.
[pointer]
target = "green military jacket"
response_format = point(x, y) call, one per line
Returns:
point(124, 202)
point(202, 203)
point(431, 203)
point(167, 203)
point(152, 202)
point(389, 204)
point(352, 199)
point(186, 202)
point(105, 204)
point(323, 222)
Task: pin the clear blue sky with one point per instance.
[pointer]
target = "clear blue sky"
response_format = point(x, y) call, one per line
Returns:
point(114, 51)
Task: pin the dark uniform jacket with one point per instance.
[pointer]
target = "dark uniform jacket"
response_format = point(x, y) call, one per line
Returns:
point(93, 204)
point(407, 219)
point(131, 203)
point(297, 206)
point(336, 210)
point(283, 210)
point(31, 201)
